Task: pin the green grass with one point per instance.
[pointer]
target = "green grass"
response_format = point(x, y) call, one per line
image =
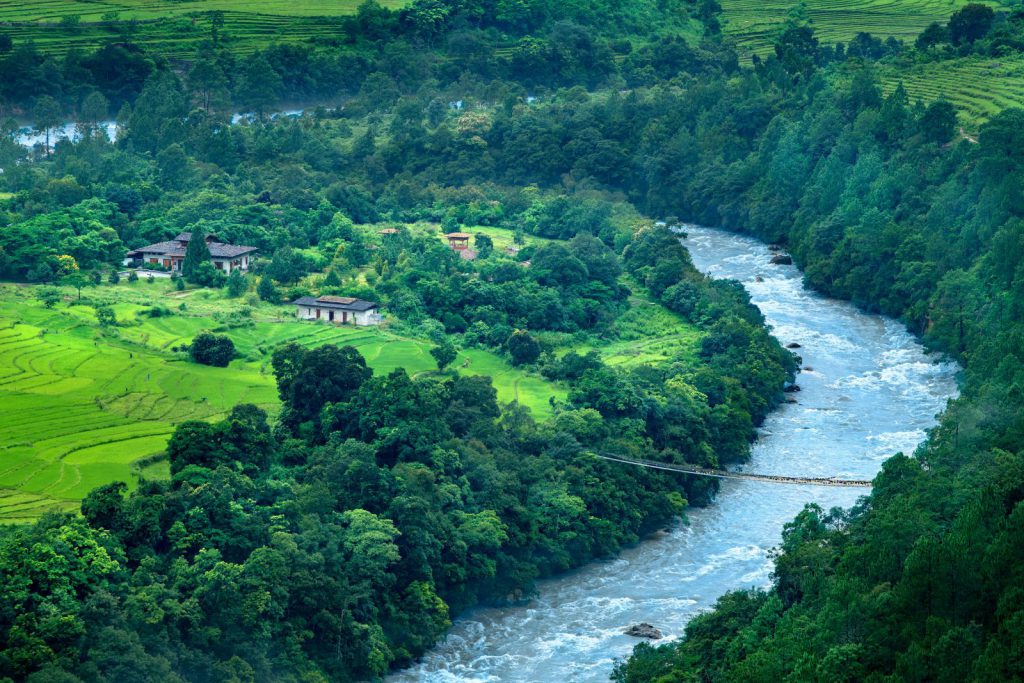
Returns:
point(172, 28)
point(79, 406)
point(977, 87)
point(756, 23)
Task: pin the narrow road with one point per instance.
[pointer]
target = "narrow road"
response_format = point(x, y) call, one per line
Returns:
point(726, 474)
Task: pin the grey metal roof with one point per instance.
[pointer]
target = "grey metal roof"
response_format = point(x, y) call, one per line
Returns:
point(357, 305)
point(174, 248)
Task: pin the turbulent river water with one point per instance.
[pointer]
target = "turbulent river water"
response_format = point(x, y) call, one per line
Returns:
point(868, 391)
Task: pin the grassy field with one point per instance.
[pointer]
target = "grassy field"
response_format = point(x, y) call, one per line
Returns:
point(79, 406)
point(756, 23)
point(169, 27)
point(978, 87)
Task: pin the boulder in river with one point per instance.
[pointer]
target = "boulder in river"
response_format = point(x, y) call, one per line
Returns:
point(782, 260)
point(808, 368)
point(790, 399)
point(790, 388)
point(792, 345)
point(758, 279)
point(644, 630)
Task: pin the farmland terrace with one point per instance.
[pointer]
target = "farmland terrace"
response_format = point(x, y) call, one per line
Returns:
point(172, 28)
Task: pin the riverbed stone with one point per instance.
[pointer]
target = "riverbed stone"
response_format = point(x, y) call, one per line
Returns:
point(792, 345)
point(782, 260)
point(644, 630)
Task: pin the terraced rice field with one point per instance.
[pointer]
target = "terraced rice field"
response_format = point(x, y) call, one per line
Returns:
point(80, 407)
point(977, 87)
point(756, 23)
point(169, 27)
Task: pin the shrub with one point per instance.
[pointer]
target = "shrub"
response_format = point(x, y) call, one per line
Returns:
point(523, 348)
point(106, 317)
point(212, 349)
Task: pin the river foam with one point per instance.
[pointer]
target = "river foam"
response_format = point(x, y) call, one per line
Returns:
point(873, 391)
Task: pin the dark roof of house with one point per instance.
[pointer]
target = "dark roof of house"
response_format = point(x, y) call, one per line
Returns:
point(221, 250)
point(341, 303)
point(174, 248)
point(187, 236)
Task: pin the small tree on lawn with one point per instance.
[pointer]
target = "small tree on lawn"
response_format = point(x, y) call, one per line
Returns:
point(212, 349)
point(114, 278)
point(237, 284)
point(267, 291)
point(444, 354)
point(49, 296)
point(106, 317)
point(523, 347)
point(76, 280)
point(196, 253)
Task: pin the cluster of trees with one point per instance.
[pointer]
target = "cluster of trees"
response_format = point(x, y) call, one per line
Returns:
point(340, 541)
point(880, 203)
point(248, 564)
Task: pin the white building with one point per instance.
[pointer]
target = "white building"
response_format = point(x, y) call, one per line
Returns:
point(171, 254)
point(338, 310)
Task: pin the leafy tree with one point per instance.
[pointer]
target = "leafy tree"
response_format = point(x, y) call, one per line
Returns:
point(970, 22)
point(444, 354)
point(212, 349)
point(310, 380)
point(237, 284)
point(938, 123)
point(46, 115)
point(174, 166)
point(484, 245)
point(523, 348)
point(105, 316)
point(78, 280)
point(258, 85)
point(797, 49)
point(267, 291)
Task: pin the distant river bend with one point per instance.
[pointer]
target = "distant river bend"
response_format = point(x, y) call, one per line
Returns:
point(870, 390)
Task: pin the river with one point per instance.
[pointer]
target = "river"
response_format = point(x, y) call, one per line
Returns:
point(870, 390)
point(27, 136)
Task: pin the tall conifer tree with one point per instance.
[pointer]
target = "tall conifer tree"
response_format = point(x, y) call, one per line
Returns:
point(196, 254)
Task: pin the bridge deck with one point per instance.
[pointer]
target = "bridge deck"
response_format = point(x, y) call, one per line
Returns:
point(725, 474)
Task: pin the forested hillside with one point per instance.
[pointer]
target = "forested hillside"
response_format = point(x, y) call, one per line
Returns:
point(339, 540)
point(336, 537)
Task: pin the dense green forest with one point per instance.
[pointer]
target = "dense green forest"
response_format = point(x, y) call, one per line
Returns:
point(339, 540)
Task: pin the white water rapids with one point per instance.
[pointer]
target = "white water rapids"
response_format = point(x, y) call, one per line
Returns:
point(871, 391)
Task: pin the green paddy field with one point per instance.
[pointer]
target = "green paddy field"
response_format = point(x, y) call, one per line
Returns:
point(755, 23)
point(81, 405)
point(173, 28)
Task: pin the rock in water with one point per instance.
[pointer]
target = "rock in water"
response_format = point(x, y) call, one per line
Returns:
point(644, 631)
point(790, 388)
point(792, 345)
point(782, 260)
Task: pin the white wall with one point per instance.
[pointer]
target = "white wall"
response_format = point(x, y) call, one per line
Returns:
point(359, 318)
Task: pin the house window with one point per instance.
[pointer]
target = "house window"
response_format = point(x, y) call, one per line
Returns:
point(219, 264)
point(154, 260)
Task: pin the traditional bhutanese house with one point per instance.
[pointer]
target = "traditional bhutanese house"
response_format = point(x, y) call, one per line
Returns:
point(338, 310)
point(389, 231)
point(458, 240)
point(171, 254)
